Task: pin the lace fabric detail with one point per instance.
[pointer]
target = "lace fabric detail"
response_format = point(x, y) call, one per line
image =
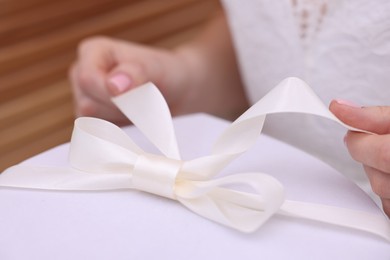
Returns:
point(309, 15)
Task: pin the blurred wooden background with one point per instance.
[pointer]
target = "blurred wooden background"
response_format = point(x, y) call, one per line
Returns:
point(38, 41)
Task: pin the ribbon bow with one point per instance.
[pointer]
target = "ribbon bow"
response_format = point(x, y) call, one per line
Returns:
point(103, 157)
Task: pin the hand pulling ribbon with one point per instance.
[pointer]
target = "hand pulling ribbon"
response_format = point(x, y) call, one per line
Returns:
point(103, 157)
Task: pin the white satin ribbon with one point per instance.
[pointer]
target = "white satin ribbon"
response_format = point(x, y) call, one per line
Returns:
point(103, 157)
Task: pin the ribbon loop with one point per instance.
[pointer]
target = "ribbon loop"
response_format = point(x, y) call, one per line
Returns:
point(156, 174)
point(158, 117)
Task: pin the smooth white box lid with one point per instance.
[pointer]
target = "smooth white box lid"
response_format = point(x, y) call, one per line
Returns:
point(136, 225)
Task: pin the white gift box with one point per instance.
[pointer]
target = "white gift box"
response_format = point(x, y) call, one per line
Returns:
point(131, 224)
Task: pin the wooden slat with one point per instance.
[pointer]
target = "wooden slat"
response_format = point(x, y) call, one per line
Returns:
point(9, 7)
point(39, 124)
point(36, 127)
point(154, 29)
point(30, 22)
point(33, 77)
point(36, 102)
point(15, 56)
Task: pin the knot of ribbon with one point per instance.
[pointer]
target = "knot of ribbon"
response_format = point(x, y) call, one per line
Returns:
point(156, 174)
point(103, 157)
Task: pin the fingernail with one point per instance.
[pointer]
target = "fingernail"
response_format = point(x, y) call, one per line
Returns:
point(120, 83)
point(346, 103)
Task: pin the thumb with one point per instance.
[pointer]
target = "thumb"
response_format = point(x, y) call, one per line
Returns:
point(374, 119)
point(127, 76)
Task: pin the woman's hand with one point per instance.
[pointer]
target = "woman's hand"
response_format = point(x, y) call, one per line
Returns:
point(200, 75)
point(372, 150)
point(107, 67)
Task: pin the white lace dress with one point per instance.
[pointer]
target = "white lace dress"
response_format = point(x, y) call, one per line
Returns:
point(341, 48)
